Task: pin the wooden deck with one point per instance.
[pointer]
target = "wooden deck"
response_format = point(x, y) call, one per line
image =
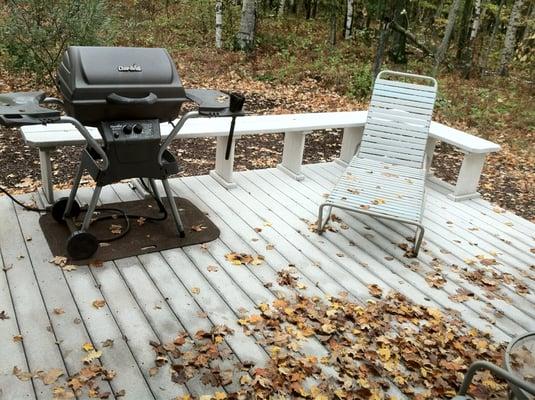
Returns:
point(152, 297)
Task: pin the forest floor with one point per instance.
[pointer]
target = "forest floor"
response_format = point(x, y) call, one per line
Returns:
point(485, 107)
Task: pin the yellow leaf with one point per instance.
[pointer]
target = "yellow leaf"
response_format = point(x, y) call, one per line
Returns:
point(88, 347)
point(195, 290)
point(384, 353)
point(434, 312)
point(219, 396)
point(92, 355)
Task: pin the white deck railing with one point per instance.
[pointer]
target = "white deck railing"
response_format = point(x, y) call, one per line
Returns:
point(295, 127)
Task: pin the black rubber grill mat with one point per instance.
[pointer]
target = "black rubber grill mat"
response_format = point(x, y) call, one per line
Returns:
point(141, 239)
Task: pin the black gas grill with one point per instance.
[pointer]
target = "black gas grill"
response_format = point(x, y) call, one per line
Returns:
point(119, 83)
point(126, 93)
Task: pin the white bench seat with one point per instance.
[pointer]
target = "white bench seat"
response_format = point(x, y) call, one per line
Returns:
point(295, 126)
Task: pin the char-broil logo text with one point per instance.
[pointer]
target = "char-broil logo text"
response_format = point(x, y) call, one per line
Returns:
point(129, 68)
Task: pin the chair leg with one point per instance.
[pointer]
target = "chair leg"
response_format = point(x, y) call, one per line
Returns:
point(320, 223)
point(174, 210)
point(419, 237)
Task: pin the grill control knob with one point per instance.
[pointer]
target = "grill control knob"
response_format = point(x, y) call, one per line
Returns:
point(138, 128)
point(127, 129)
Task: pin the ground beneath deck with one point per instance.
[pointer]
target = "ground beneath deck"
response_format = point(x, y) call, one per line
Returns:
point(476, 274)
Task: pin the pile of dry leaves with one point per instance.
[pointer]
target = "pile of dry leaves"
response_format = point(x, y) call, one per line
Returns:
point(371, 348)
point(89, 381)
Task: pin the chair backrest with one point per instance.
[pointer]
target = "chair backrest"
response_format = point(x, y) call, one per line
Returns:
point(398, 120)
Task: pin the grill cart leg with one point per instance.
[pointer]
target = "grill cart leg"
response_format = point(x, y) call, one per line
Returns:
point(154, 189)
point(174, 210)
point(91, 208)
point(74, 190)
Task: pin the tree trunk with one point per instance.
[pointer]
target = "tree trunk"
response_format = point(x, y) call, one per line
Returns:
point(308, 8)
point(476, 22)
point(282, 3)
point(441, 51)
point(497, 22)
point(218, 23)
point(383, 38)
point(349, 19)
point(510, 37)
point(464, 31)
point(245, 37)
point(530, 24)
point(398, 52)
point(468, 55)
point(332, 33)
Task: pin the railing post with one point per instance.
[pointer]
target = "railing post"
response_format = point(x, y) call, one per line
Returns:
point(292, 154)
point(46, 173)
point(224, 168)
point(468, 178)
point(429, 152)
point(350, 143)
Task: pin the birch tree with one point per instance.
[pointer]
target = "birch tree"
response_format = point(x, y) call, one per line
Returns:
point(441, 51)
point(468, 55)
point(218, 23)
point(245, 37)
point(282, 4)
point(476, 22)
point(510, 37)
point(349, 20)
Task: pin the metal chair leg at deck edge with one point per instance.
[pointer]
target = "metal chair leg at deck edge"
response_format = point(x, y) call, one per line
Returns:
point(320, 224)
point(174, 209)
point(418, 238)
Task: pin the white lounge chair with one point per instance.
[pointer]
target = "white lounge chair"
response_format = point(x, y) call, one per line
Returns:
point(386, 177)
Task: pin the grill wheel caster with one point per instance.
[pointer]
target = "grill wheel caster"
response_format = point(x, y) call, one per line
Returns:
point(58, 209)
point(81, 245)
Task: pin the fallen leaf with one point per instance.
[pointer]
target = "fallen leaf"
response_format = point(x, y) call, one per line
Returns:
point(99, 303)
point(96, 264)
point(51, 376)
point(375, 290)
point(87, 347)
point(58, 311)
point(92, 355)
point(195, 290)
point(22, 376)
point(198, 228)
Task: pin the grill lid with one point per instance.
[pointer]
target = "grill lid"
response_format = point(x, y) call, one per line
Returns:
point(119, 83)
point(125, 66)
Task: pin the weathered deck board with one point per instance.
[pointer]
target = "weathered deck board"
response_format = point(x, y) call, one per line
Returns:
point(151, 297)
point(30, 308)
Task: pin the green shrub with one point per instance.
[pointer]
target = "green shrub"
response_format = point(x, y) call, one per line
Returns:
point(35, 33)
point(361, 82)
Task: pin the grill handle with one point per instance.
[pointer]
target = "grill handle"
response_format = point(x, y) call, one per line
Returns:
point(114, 98)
